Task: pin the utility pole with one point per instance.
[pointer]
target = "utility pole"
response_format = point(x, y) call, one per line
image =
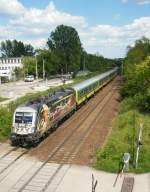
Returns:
point(139, 143)
point(122, 68)
point(84, 62)
point(66, 68)
point(36, 70)
point(43, 69)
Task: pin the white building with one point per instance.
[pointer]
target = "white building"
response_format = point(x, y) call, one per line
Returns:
point(8, 65)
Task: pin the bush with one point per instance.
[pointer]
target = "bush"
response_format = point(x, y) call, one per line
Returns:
point(123, 138)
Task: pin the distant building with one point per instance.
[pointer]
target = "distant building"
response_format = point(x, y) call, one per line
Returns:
point(8, 65)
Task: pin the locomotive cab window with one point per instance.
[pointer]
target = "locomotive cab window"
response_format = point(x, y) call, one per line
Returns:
point(21, 117)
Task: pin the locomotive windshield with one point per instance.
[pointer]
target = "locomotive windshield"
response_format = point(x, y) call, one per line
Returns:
point(23, 117)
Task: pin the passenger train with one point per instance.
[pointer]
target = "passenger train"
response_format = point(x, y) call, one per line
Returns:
point(35, 119)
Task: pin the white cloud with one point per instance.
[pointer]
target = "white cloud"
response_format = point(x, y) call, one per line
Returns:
point(38, 21)
point(5, 33)
point(115, 38)
point(139, 2)
point(143, 2)
point(38, 43)
point(11, 7)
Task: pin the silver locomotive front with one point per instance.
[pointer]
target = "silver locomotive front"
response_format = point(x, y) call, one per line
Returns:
point(24, 126)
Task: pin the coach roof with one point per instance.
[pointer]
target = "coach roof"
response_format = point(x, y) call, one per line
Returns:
point(90, 81)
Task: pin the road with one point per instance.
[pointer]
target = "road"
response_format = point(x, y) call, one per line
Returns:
point(20, 88)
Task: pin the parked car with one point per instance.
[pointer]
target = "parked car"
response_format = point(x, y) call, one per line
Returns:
point(29, 78)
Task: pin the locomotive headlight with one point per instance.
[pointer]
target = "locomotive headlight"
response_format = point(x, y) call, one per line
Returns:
point(12, 129)
point(32, 129)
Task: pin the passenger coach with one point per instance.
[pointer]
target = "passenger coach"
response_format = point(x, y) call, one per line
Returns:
point(89, 87)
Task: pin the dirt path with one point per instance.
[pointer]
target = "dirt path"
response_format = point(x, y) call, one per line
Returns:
point(88, 128)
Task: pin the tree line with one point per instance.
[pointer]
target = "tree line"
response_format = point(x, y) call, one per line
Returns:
point(136, 74)
point(63, 53)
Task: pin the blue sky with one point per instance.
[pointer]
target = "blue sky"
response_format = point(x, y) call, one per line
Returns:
point(97, 11)
point(106, 27)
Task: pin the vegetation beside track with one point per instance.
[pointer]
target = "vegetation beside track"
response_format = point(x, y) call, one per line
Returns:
point(6, 113)
point(3, 99)
point(122, 138)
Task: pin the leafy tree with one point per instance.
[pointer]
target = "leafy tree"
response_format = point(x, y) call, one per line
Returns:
point(65, 43)
point(50, 61)
point(16, 49)
point(137, 73)
point(19, 72)
point(138, 52)
point(29, 65)
point(96, 62)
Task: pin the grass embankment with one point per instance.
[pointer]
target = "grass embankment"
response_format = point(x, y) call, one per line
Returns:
point(6, 113)
point(3, 99)
point(123, 137)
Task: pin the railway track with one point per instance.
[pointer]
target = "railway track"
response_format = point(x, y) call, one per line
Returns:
point(6, 154)
point(9, 159)
point(67, 149)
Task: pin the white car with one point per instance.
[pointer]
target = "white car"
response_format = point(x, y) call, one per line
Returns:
point(29, 78)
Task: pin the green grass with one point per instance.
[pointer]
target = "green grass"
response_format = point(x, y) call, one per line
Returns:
point(122, 138)
point(3, 99)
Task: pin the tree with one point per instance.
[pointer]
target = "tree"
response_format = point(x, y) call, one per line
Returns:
point(16, 49)
point(29, 65)
point(138, 52)
point(65, 43)
point(19, 72)
point(95, 62)
point(50, 60)
point(137, 73)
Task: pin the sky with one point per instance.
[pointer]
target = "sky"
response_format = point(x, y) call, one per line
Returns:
point(105, 27)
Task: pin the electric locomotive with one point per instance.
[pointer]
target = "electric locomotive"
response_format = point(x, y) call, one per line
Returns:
point(35, 119)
